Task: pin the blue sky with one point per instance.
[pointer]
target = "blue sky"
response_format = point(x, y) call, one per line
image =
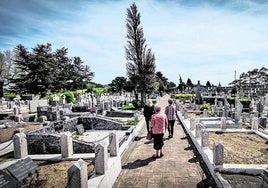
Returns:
point(206, 40)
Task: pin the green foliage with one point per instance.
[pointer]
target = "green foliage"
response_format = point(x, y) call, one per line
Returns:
point(136, 103)
point(69, 97)
point(184, 96)
point(118, 84)
point(205, 106)
point(129, 106)
point(100, 90)
point(42, 70)
point(140, 60)
point(9, 95)
point(244, 101)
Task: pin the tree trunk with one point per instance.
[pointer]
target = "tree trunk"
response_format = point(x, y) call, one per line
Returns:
point(143, 95)
point(1, 88)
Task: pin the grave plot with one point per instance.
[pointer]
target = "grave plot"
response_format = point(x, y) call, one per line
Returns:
point(241, 148)
point(241, 157)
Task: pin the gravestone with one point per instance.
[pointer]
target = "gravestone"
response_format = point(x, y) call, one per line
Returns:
point(226, 107)
point(33, 104)
point(114, 144)
point(223, 123)
point(77, 175)
point(266, 99)
point(101, 159)
point(205, 113)
point(6, 181)
point(238, 110)
point(80, 129)
point(192, 124)
point(204, 138)
point(259, 108)
point(255, 123)
point(197, 130)
point(66, 142)
point(20, 145)
point(23, 168)
point(218, 153)
point(263, 122)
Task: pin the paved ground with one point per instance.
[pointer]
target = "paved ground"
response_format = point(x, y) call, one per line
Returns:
point(177, 168)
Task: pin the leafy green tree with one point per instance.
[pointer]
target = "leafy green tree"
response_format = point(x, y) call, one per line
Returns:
point(162, 82)
point(61, 70)
point(189, 83)
point(171, 86)
point(181, 85)
point(42, 70)
point(208, 84)
point(140, 60)
point(22, 60)
point(129, 86)
point(118, 84)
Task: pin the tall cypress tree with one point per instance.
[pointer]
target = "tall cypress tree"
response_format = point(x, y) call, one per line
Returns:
point(140, 60)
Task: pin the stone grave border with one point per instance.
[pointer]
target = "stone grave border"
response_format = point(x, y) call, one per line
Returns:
point(208, 156)
point(104, 177)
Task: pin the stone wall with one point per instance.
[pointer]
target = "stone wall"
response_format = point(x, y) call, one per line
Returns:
point(46, 140)
point(50, 144)
point(97, 123)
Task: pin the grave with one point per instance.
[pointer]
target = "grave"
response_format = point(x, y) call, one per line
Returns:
point(234, 128)
point(7, 181)
point(23, 168)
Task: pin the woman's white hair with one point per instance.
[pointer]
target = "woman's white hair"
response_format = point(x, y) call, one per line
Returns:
point(149, 102)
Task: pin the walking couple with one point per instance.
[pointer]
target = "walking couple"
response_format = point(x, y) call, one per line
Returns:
point(159, 123)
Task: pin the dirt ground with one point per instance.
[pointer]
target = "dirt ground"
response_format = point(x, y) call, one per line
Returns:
point(51, 174)
point(242, 148)
point(7, 133)
point(54, 175)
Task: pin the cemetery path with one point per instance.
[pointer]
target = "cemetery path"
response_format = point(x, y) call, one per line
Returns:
point(177, 168)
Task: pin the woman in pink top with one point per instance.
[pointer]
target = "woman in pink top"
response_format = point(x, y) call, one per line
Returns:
point(159, 124)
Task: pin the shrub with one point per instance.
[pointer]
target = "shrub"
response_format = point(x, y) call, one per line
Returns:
point(205, 106)
point(129, 106)
point(184, 96)
point(69, 97)
point(136, 103)
point(244, 101)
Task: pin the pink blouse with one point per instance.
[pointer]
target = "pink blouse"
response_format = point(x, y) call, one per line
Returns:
point(159, 123)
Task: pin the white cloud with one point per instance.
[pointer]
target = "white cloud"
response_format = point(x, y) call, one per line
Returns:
point(200, 42)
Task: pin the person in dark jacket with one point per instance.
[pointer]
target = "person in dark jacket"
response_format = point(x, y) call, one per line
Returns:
point(148, 111)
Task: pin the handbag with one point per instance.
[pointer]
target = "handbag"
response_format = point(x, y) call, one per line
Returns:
point(149, 136)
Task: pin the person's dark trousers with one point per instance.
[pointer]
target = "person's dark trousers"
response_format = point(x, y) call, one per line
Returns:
point(147, 120)
point(171, 127)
